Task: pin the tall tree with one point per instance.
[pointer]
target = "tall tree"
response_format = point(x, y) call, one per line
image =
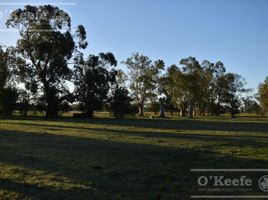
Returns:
point(120, 100)
point(8, 93)
point(263, 95)
point(173, 86)
point(214, 86)
point(46, 43)
point(144, 78)
point(194, 81)
point(234, 87)
point(94, 79)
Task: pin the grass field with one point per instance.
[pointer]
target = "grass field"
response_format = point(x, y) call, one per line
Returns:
point(105, 158)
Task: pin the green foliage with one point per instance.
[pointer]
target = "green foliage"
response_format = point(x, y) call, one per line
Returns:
point(250, 105)
point(8, 98)
point(154, 107)
point(203, 88)
point(212, 98)
point(120, 102)
point(47, 45)
point(263, 95)
point(234, 85)
point(174, 87)
point(144, 78)
point(23, 104)
point(8, 94)
point(93, 81)
point(8, 67)
point(4, 71)
point(193, 80)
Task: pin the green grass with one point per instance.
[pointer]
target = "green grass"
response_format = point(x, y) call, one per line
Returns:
point(122, 159)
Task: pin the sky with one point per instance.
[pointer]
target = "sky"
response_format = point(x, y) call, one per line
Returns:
point(232, 31)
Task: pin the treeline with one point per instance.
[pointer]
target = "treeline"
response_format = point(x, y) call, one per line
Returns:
point(36, 75)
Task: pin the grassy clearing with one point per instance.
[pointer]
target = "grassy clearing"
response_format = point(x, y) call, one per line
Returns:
point(122, 159)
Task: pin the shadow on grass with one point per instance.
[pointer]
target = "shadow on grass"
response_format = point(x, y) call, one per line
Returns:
point(182, 124)
point(115, 170)
point(235, 140)
point(31, 191)
point(186, 124)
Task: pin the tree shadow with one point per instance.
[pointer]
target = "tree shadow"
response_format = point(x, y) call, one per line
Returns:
point(238, 140)
point(186, 124)
point(30, 191)
point(114, 169)
point(182, 124)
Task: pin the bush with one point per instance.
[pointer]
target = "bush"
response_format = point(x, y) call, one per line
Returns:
point(120, 102)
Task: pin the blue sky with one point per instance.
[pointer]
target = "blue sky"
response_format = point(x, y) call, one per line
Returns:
point(232, 31)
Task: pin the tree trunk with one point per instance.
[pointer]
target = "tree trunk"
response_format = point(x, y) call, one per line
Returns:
point(51, 111)
point(190, 110)
point(218, 111)
point(25, 111)
point(162, 108)
point(51, 101)
point(202, 110)
point(141, 110)
point(52, 106)
point(90, 113)
point(232, 112)
point(183, 111)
